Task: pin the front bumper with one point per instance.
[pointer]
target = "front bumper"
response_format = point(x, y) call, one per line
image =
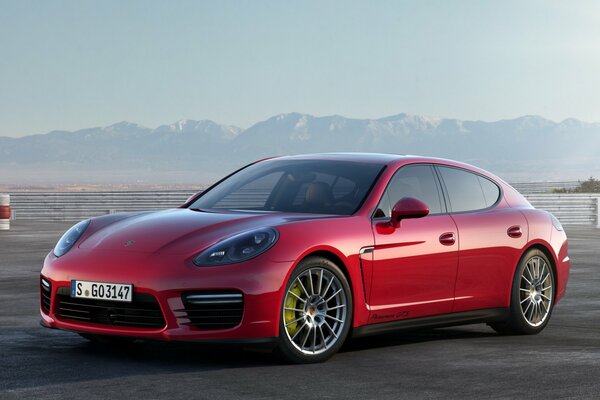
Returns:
point(259, 280)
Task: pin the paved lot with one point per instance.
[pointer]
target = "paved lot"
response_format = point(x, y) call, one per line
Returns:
point(473, 362)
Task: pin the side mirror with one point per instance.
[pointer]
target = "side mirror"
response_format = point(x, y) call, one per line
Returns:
point(408, 207)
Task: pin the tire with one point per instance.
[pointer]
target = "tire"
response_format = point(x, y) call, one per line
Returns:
point(107, 340)
point(316, 312)
point(532, 296)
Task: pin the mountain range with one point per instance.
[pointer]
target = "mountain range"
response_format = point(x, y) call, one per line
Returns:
point(197, 152)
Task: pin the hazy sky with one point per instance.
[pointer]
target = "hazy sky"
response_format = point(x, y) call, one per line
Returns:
point(77, 64)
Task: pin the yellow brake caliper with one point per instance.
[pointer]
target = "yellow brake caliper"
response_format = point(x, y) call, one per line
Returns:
point(290, 315)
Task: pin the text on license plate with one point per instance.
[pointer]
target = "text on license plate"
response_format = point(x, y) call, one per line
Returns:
point(102, 290)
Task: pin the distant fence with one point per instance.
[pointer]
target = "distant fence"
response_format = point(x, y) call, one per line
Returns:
point(573, 208)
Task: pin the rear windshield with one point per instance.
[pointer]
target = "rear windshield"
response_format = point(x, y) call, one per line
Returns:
point(302, 186)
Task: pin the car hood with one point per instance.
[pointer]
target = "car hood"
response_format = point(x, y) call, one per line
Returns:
point(178, 230)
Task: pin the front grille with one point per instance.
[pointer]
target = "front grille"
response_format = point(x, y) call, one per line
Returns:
point(142, 312)
point(46, 292)
point(212, 309)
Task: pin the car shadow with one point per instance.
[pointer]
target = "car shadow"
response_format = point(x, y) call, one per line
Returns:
point(186, 356)
point(405, 338)
point(58, 356)
point(212, 356)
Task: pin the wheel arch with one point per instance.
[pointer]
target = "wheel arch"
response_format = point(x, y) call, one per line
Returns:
point(356, 285)
point(334, 258)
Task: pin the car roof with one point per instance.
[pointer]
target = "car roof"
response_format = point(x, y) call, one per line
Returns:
point(376, 158)
point(388, 159)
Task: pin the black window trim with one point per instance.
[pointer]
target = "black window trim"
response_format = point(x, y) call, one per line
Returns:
point(375, 181)
point(438, 185)
point(447, 196)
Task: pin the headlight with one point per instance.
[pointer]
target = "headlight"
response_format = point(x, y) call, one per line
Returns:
point(70, 237)
point(238, 248)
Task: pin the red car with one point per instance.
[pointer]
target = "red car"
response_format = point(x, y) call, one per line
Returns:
point(302, 252)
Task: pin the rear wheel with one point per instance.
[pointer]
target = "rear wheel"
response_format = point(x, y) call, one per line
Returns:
point(316, 313)
point(532, 296)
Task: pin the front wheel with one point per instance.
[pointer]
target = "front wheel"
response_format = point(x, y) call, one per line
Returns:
point(532, 296)
point(316, 312)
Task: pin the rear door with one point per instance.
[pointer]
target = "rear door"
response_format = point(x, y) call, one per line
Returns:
point(491, 238)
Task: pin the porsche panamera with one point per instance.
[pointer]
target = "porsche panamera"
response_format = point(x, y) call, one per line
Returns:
point(302, 252)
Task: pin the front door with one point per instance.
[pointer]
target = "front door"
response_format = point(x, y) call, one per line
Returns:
point(414, 265)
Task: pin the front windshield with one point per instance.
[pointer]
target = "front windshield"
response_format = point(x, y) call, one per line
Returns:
point(302, 186)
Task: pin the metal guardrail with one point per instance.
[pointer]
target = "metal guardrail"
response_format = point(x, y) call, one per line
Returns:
point(573, 209)
point(543, 187)
point(46, 206)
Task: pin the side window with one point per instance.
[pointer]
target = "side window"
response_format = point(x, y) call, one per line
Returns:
point(468, 191)
point(416, 181)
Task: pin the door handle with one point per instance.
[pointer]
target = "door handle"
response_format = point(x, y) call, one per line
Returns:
point(514, 232)
point(448, 239)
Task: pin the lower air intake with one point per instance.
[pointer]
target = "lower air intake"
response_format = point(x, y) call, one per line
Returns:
point(212, 310)
point(143, 312)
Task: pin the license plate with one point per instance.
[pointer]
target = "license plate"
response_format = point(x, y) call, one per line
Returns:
point(102, 291)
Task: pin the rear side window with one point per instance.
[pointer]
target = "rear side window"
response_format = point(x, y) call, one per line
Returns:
point(491, 192)
point(416, 181)
point(468, 191)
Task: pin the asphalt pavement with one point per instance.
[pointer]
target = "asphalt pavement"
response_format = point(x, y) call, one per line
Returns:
point(463, 362)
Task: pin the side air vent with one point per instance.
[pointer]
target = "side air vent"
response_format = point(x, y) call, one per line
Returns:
point(212, 310)
point(46, 292)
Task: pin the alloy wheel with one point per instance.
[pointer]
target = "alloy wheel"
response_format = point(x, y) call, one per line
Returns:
point(314, 311)
point(536, 291)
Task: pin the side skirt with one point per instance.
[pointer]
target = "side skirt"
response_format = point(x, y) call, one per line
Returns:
point(436, 321)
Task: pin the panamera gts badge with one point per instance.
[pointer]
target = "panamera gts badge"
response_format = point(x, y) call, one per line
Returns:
point(129, 243)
